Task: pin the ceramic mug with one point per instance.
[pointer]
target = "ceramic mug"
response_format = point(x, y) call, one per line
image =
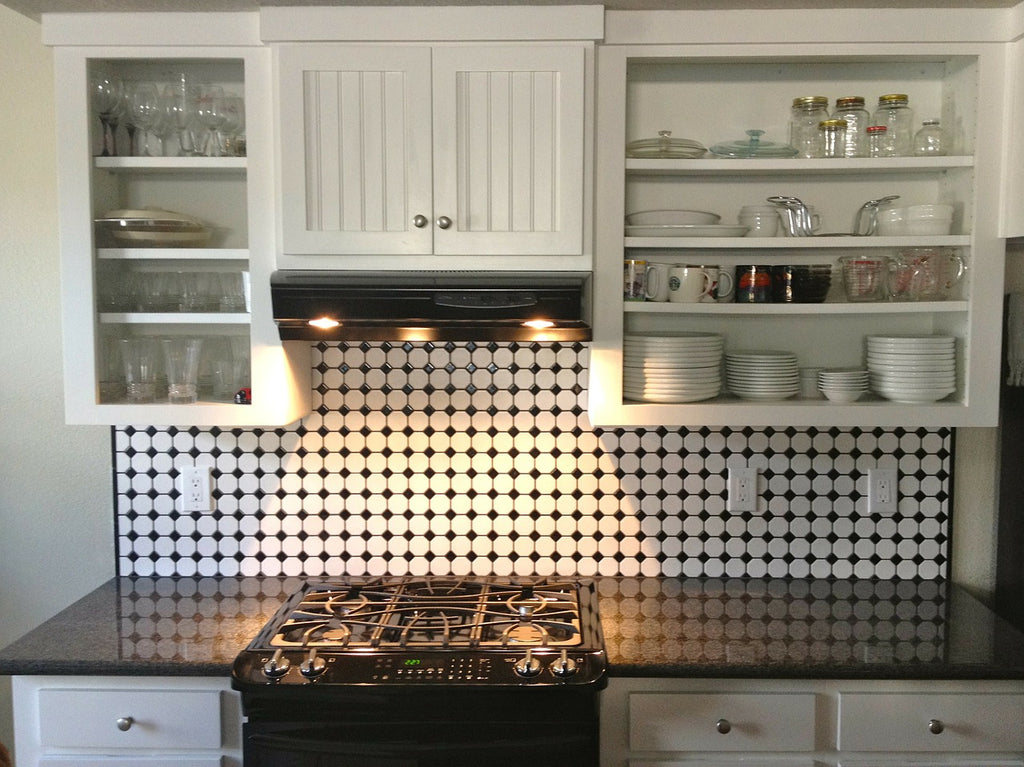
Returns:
point(754, 284)
point(656, 284)
point(688, 284)
point(721, 283)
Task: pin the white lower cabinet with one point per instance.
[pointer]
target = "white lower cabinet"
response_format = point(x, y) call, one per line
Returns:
point(811, 723)
point(126, 722)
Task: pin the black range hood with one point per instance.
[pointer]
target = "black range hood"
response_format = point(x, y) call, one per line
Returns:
point(431, 305)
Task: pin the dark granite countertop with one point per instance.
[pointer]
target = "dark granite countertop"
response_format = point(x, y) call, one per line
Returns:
point(654, 627)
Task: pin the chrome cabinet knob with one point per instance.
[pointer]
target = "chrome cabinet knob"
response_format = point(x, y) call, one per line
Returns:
point(124, 723)
point(444, 222)
point(420, 221)
point(935, 726)
point(724, 726)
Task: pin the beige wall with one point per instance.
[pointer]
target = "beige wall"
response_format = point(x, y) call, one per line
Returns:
point(56, 521)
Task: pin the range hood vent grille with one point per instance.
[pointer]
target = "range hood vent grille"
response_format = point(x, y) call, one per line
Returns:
point(431, 306)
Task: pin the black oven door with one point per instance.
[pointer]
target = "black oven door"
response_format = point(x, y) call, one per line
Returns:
point(414, 744)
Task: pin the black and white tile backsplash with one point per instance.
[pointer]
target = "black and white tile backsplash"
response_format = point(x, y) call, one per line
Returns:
point(479, 459)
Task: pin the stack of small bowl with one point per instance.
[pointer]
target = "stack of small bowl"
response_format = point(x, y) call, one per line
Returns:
point(843, 384)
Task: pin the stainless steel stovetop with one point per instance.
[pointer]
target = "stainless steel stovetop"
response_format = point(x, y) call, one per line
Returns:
point(430, 631)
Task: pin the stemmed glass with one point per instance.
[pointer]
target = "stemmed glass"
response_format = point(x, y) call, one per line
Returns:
point(178, 103)
point(144, 108)
point(234, 123)
point(210, 113)
point(108, 99)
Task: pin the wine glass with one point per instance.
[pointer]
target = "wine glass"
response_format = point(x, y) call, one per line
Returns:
point(144, 108)
point(108, 100)
point(210, 113)
point(234, 123)
point(178, 104)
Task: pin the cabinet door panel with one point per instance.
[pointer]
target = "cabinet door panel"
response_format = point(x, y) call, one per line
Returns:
point(902, 722)
point(508, 163)
point(355, 149)
point(83, 718)
point(691, 722)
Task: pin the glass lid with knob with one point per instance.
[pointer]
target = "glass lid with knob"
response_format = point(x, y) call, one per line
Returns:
point(665, 147)
point(753, 146)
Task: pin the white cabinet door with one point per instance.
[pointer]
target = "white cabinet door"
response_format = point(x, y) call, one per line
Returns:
point(466, 151)
point(508, 143)
point(354, 135)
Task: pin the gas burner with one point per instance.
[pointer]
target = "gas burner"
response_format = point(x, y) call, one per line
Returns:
point(430, 630)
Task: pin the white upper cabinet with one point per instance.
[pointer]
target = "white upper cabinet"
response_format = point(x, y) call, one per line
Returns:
point(714, 93)
point(153, 283)
point(461, 151)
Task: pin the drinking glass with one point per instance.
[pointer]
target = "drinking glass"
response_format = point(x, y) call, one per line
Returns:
point(141, 363)
point(178, 103)
point(145, 110)
point(181, 360)
point(210, 114)
point(108, 100)
point(231, 142)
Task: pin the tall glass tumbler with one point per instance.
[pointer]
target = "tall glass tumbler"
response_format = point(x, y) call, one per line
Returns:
point(141, 357)
point(181, 358)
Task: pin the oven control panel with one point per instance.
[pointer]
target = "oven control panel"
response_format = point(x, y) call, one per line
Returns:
point(520, 667)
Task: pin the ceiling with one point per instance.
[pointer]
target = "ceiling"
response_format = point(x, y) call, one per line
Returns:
point(33, 8)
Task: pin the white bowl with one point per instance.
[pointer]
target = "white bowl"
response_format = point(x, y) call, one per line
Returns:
point(916, 212)
point(842, 395)
point(671, 217)
point(928, 226)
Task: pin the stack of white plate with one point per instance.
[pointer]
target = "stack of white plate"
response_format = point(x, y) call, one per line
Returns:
point(911, 368)
point(843, 384)
point(766, 374)
point(671, 367)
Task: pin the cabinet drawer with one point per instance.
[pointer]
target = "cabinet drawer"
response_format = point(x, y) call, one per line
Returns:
point(903, 722)
point(82, 718)
point(721, 722)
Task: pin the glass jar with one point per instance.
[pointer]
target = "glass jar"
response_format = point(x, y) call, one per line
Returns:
point(930, 140)
point(852, 109)
point(878, 141)
point(833, 138)
point(894, 113)
point(806, 115)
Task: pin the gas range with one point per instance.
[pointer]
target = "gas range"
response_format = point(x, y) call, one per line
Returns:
point(430, 631)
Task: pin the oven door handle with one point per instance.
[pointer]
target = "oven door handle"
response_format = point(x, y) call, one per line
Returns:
point(388, 749)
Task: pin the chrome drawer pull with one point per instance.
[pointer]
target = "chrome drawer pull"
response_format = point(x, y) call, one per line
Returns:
point(935, 726)
point(723, 726)
point(124, 723)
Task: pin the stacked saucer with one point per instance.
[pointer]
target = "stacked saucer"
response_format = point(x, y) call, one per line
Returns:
point(671, 367)
point(843, 384)
point(766, 374)
point(912, 368)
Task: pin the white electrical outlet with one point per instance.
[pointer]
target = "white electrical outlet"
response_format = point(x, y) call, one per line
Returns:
point(883, 491)
point(196, 488)
point(742, 490)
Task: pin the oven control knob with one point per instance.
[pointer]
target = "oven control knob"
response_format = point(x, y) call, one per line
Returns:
point(312, 666)
point(528, 666)
point(564, 667)
point(276, 667)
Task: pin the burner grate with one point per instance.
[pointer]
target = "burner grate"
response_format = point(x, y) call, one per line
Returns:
point(427, 613)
